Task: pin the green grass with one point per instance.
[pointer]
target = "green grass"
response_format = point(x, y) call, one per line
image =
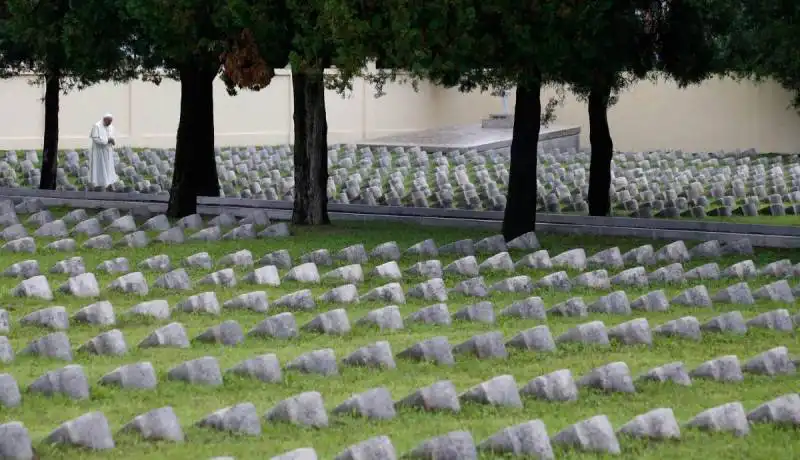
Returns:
point(42, 414)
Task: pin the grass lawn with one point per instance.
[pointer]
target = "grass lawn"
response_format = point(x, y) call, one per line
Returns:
point(42, 414)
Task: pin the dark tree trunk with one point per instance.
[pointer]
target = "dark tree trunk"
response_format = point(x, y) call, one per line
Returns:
point(195, 171)
point(52, 93)
point(602, 152)
point(520, 213)
point(310, 150)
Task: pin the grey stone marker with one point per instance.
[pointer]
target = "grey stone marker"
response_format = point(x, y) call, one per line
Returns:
point(633, 277)
point(36, 287)
point(673, 372)
point(440, 396)
point(436, 349)
point(555, 386)
point(90, 431)
point(391, 292)
point(281, 326)
point(613, 377)
point(708, 271)
point(657, 424)
point(6, 351)
point(483, 346)
point(160, 424)
point(779, 320)
point(304, 409)
point(254, 301)
point(266, 275)
point(202, 371)
point(171, 335)
point(227, 333)
point(205, 302)
point(265, 368)
point(481, 312)
point(723, 369)
point(377, 448)
point(304, 453)
point(536, 338)
point(779, 291)
point(304, 273)
point(15, 442)
point(433, 289)
point(594, 434)
point(633, 332)
point(99, 313)
point(376, 355)
point(539, 260)
point(530, 308)
point(52, 318)
point(345, 294)
point(732, 322)
point(574, 307)
point(375, 403)
point(386, 251)
point(497, 391)
point(134, 376)
point(456, 445)
point(612, 303)
point(225, 278)
point(241, 418)
point(429, 269)
point(55, 345)
point(199, 260)
point(111, 343)
point(526, 439)
point(9, 393)
point(607, 258)
point(591, 333)
point(175, 280)
point(772, 362)
point(738, 294)
point(298, 300)
point(386, 319)
point(727, 417)
point(784, 410)
point(131, 283)
point(321, 362)
point(687, 327)
point(156, 309)
point(434, 314)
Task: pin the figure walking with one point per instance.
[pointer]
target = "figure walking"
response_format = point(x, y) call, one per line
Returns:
point(101, 159)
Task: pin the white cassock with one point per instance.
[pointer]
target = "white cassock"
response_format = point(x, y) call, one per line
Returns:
point(101, 158)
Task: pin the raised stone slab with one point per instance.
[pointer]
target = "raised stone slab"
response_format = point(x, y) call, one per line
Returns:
point(474, 137)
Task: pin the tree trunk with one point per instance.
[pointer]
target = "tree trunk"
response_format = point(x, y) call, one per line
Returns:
point(195, 171)
point(520, 213)
point(602, 152)
point(52, 90)
point(310, 150)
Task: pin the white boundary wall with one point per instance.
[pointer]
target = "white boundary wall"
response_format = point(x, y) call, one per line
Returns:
point(720, 114)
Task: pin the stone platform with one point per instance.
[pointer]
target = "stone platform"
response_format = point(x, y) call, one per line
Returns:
point(475, 137)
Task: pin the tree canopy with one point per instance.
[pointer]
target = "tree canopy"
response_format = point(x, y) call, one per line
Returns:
point(64, 48)
point(185, 40)
point(763, 44)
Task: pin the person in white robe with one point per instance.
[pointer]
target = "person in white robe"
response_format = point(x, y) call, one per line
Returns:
point(101, 158)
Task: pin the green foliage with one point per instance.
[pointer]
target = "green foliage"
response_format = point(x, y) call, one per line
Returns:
point(83, 44)
point(168, 35)
point(765, 43)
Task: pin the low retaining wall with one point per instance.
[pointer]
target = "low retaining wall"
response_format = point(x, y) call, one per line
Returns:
point(758, 234)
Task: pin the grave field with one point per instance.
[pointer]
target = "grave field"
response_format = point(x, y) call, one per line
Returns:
point(384, 311)
point(724, 186)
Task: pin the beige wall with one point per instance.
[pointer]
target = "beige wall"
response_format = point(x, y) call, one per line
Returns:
point(720, 114)
point(716, 115)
